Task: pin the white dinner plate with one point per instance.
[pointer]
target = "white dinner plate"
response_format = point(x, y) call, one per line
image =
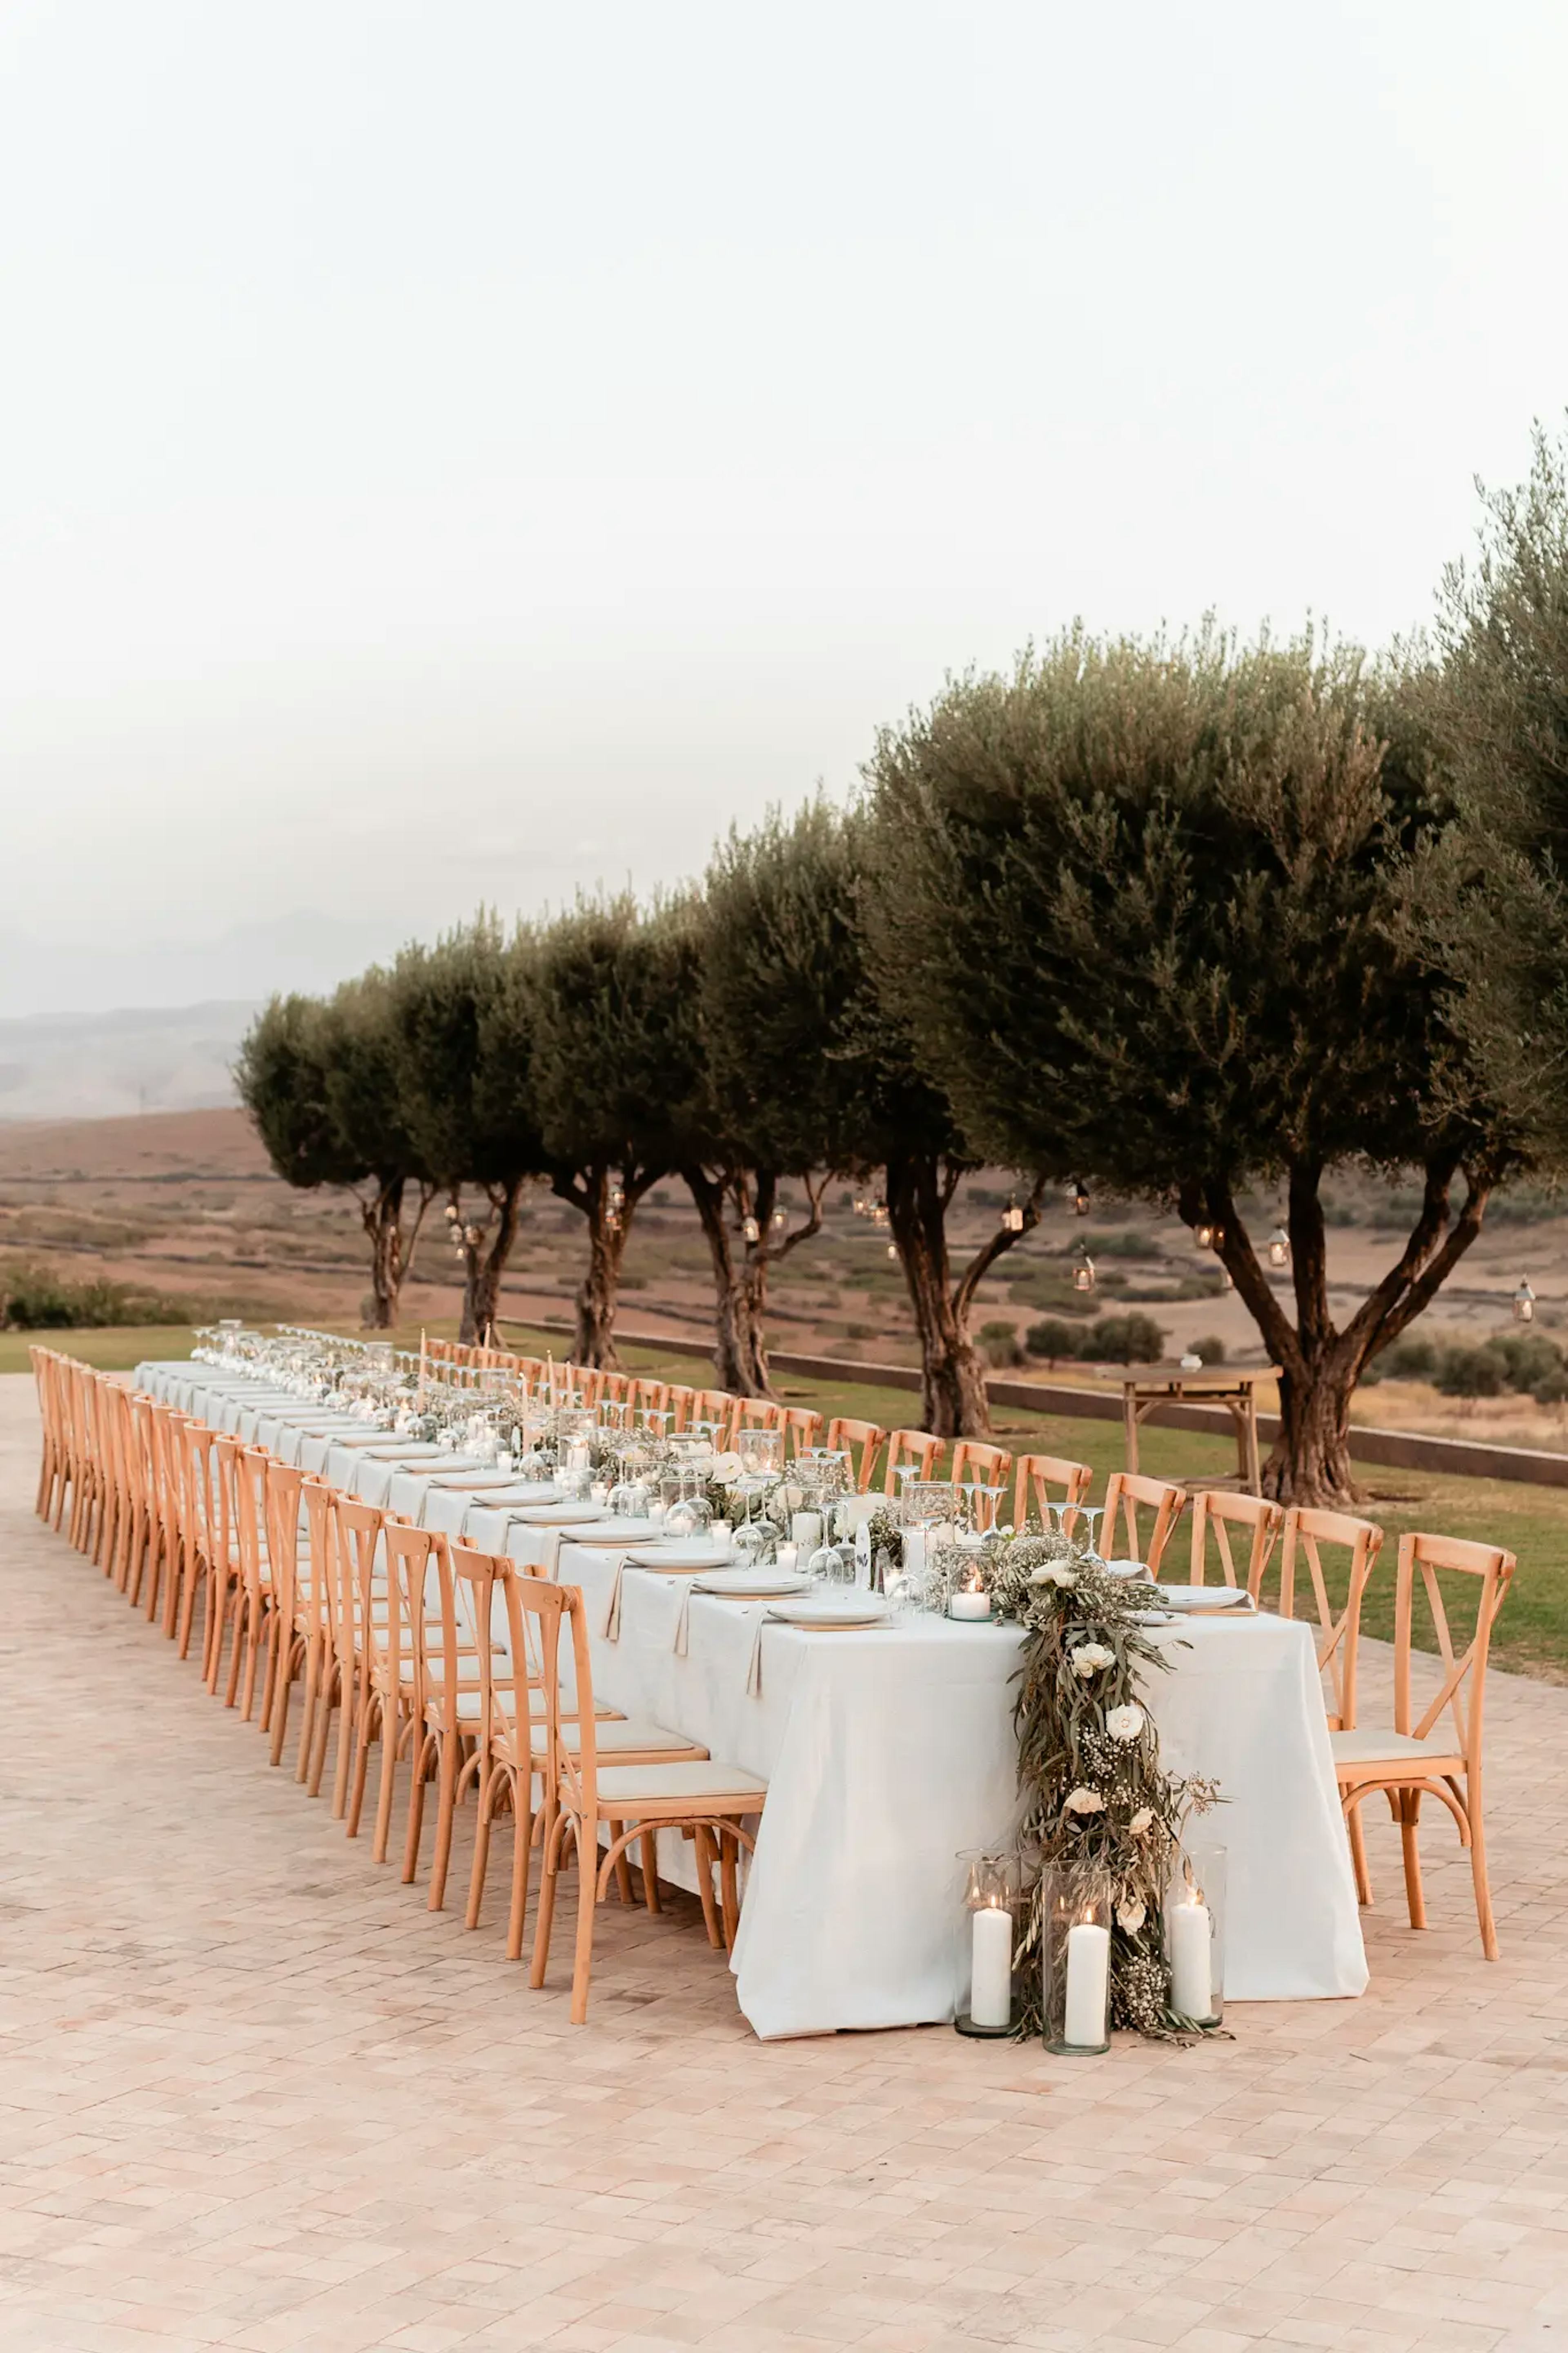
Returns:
point(607, 1533)
point(624, 1524)
point(1128, 1568)
point(753, 1584)
point(556, 1516)
point(677, 1552)
point(1187, 1597)
point(867, 1609)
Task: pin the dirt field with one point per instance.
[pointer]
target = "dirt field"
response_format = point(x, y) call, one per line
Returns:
point(183, 1205)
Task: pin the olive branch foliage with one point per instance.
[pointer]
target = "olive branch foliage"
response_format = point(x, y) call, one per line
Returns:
point(1097, 1802)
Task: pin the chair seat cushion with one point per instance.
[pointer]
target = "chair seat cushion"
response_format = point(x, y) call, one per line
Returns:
point(1375, 1745)
point(622, 1785)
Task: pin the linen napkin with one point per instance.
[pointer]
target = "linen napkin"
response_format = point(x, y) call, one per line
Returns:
point(611, 1629)
point(755, 1663)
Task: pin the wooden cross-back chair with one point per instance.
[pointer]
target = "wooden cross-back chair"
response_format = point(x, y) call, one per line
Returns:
point(862, 1441)
point(1307, 1531)
point(801, 1427)
point(754, 1413)
point(910, 1449)
point(976, 1466)
point(650, 1396)
point(713, 1799)
point(1125, 1494)
point(716, 1406)
point(1437, 1749)
point(498, 1717)
point(1249, 1520)
point(51, 1464)
point(1034, 1478)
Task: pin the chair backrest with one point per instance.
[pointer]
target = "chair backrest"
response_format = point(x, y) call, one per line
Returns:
point(1034, 1477)
point(718, 1407)
point(976, 1466)
point(284, 1481)
point(538, 1614)
point(754, 1413)
point(862, 1441)
point(166, 1426)
point(1339, 1626)
point(356, 1547)
point(198, 1464)
point(908, 1448)
point(801, 1427)
point(250, 1514)
point(650, 1396)
point(1251, 1520)
point(614, 1389)
point(1125, 1492)
point(397, 1653)
point(1463, 1688)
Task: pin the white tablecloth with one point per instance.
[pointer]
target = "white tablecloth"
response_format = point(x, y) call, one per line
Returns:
point(887, 1753)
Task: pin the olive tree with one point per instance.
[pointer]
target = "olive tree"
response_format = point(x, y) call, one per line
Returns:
point(1145, 914)
point(602, 992)
point(320, 1081)
point(463, 1055)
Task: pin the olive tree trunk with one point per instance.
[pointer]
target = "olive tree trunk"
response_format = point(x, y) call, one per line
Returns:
point(485, 1261)
point(589, 1191)
point(920, 1191)
point(1321, 1363)
point(380, 1214)
point(741, 1269)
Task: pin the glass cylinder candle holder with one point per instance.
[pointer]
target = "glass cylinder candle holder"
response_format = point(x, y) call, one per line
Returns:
point(988, 1937)
point(1075, 1961)
point(1195, 1934)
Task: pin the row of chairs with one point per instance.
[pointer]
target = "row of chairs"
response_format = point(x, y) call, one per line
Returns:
point(112, 1451)
point(471, 1671)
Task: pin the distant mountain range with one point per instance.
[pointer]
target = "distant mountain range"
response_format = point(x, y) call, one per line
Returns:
point(103, 1065)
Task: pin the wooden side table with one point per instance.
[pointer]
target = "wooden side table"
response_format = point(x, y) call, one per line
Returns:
point(1144, 1386)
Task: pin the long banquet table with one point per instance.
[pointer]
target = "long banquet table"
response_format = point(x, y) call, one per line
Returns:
point(887, 1752)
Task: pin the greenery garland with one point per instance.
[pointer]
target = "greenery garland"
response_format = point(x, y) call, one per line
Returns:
point(1096, 1797)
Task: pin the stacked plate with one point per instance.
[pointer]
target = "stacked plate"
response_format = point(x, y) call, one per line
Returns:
point(1197, 1601)
point(685, 1552)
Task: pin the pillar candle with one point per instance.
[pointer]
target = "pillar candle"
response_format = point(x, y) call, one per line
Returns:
point(1192, 1975)
point(991, 1966)
point(967, 1604)
point(1088, 1972)
point(806, 1530)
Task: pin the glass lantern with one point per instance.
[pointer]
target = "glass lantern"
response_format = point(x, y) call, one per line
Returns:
point(1075, 1962)
point(1195, 1934)
point(987, 1939)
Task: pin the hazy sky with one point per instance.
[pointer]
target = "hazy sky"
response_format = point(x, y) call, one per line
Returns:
point(466, 450)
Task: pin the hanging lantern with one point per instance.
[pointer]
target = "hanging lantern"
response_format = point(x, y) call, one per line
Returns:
point(1013, 1218)
point(1204, 1236)
point(617, 1197)
point(1079, 1198)
point(1279, 1246)
point(471, 1236)
point(892, 1249)
point(749, 1230)
point(1524, 1302)
point(862, 1207)
point(781, 1219)
point(1083, 1273)
point(451, 1212)
point(880, 1213)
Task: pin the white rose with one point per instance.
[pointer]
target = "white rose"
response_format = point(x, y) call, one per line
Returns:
point(1124, 1723)
point(1091, 1658)
point(1085, 1801)
point(1142, 1820)
point(1054, 1574)
point(1130, 1917)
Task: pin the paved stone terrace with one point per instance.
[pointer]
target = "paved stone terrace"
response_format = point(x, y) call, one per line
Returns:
point(255, 2095)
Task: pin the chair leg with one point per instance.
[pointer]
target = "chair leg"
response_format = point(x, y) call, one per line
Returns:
point(188, 1610)
point(549, 1871)
point(587, 1903)
point(702, 1838)
point(331, 1682)
point(419, 1758)
point(486, 1794)
point(521, 1865)
point(1409, 1819)
point(1357, 1829)
point(1478, 1866)
point(348, 1718)
point(729, 1886)
point(650, 1871)
point(623, 1868)
point(360, 1766)
point(388, 1776)
point(308, 1704)
point(446, 1817)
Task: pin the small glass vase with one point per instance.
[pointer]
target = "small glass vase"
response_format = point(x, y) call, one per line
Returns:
point(1195, 1933)
point(986, 1940)
point(1075, 1962)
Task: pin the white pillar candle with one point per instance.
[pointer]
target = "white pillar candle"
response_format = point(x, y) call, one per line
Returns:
point(965, 1604)
point(1192, 1949)
point(720, 1531)
point(1088, 1972)
point(991, 1967)
point(789, 1558)
point(655, 1511)
point(914, 1552)
point(578, 1454)
point(806, 1528)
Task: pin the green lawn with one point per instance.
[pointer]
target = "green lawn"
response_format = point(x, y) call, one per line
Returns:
point(1532, 1522)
